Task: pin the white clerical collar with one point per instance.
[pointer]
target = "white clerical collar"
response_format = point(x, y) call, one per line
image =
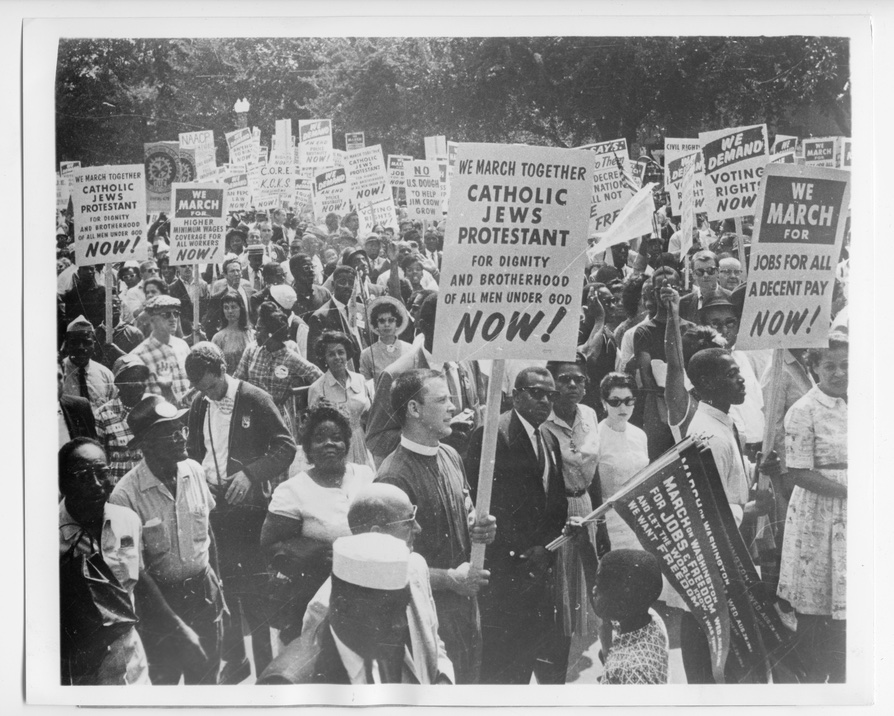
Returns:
point(412, 446)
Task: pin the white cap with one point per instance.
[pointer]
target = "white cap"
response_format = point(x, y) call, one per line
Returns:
point(372, 559)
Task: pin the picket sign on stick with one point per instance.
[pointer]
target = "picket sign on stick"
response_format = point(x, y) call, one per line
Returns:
point(195, 301)
point(740, 242)
point(110, 328)
point(488, 452)
point(644, 474)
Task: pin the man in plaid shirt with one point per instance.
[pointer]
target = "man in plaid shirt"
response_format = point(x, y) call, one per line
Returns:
point(163, 352)
point(112, 430)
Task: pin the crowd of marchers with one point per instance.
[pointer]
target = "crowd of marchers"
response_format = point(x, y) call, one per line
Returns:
point(265, 477)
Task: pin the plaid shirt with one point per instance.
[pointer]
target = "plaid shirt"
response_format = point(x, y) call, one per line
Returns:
point(161, 358)
point(276, 373)
point(114, 434)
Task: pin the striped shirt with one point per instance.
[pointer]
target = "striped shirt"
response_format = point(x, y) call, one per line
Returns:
point(165, 359)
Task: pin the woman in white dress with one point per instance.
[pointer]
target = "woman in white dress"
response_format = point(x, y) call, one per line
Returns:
point(387, 319)
point(343, 390)
point(308, 512)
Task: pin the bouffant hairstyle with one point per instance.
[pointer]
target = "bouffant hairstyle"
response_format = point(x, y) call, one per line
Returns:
point(328, 337)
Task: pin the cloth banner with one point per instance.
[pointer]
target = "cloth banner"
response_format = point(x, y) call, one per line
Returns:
point(634, 220)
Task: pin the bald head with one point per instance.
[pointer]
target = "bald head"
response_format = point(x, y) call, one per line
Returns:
point(383, 508)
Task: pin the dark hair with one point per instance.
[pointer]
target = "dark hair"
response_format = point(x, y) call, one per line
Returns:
point(341, 269)
point(631, 295)
point(580, 361)
point(408, 386)
point(318, 416)
point(67, 450)
point(158, 283)
point(328, 337)
point(523, 374)
point(663, 271)
point(297, 260)
point(428, 309)
point(233, 297)
point(837, 339)
point(385, 308)
point(704, 367)
point(226, 264)
point(409, 260)
point(267, 270)
point(616, 380)
point(698, 339)
point(204, 357)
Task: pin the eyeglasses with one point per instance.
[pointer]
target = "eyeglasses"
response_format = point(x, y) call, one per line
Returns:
point(94, 472)
point(618, 402)
point(386, 319)
point(568, 378)
point(411, 518)
point(181, 433)
point(540, 393)
point(168, 314)
point(731, 272)
point(705, 271)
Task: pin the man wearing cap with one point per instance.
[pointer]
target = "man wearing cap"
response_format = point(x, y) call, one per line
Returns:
point(163, 352)
point(380, 508)
point(238, 435)
point(169, 493)
point(366, 638)
point(252, 271)
point(112, 430)
point(432, 476)
point(338, 314)
point(705, 280)
point(84, 377)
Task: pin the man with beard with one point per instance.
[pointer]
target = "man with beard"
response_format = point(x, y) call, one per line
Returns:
point(84, 377)
point(168, 492)
point(112, 430)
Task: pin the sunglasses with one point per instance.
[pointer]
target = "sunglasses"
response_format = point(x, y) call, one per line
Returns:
point(168, 314)
point(705, 271)
point(728, 323)
point(618, 402)
point(411, 518)
point(731, 272)
point(540, 393)
point(577, 379)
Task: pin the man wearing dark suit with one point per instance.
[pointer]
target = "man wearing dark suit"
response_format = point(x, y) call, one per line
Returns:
point(705, 277)
point(75, 415)
point(520, 629)
point(333, 316)
point(465, 382)
point(234, 282)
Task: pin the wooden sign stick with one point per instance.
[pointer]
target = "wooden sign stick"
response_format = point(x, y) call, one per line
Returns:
point(110, 284)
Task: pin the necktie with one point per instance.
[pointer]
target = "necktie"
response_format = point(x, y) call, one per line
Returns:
point(541, 460)
point(82, 383)
point(257, 281)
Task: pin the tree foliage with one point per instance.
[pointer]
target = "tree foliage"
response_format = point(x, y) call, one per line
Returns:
point(114, 95)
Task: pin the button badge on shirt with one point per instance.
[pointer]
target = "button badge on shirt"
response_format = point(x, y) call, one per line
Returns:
point(281, 372)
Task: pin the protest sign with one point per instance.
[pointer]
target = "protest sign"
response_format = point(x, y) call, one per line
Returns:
point(799, 225)
point(514, 253)
point(330, 193)
point(638, 171)
point(197, 140)
point(820, 152)
point(366, 175)
point(338, 157)
point(784, 143)
point(162, 170)
point(787, 157)
point(301, 198)
point(381, 212)
point(66, 168)
point(423, 180)
point(109, 214)
point(734, 164)
point(240, 145)
point(396, 169)
point(198, 223)
point(634, 220)
point(675, 152)
point(354, 140)
point(609, 191)
point(688, 203)
point(444, 176)
point(435, 147)
point(187, 167)
point(63, 191)
point(844, 160)
point(315, 143)
point(238, 191)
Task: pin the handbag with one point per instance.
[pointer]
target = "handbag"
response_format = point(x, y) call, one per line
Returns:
point(95, 609)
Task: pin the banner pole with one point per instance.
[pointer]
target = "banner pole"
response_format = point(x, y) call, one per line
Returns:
point(110, 317)
point(196, 310)
point(488, 452)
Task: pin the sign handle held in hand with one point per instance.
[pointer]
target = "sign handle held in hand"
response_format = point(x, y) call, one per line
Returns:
point(196, 278)
point(740, 242)
point(488, 452)
point(110, 316)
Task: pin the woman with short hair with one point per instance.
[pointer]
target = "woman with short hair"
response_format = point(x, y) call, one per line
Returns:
point(387, 319)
